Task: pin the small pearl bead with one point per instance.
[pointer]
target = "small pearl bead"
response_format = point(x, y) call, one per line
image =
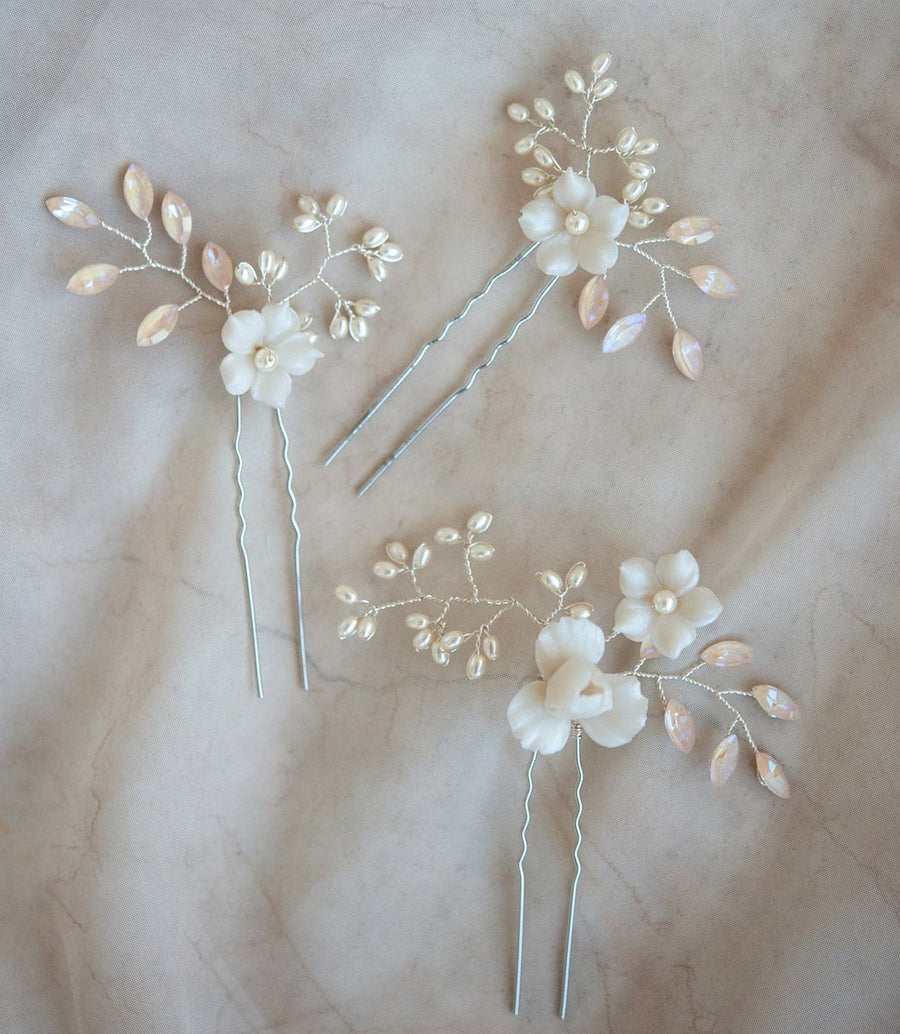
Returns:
point(577, 223)
point(265, 359)
point(665, 601)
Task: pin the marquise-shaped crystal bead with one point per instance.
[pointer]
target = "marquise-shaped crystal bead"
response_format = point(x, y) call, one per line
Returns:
point(688, 355)
point(176, 218)
point(695, 229)
point(93, 279)
point(771, 775)
point(729, 653)
point(776, 702)
point(156, 326)
point(593, 302)
point(715, 282)
point(138, 191)
point(217, 266)
point(623, 332)
point(72, 212)
point(680, 726)
point(724, 761)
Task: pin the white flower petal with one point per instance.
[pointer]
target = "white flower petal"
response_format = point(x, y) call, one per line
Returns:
point(637, 577)
point(634, 619)
point(608, 215)
point(565, 638)
point(532, 726)
point(243, 331)
point(280, 319)
point(625, 719)
point(271, 387)
point(296, 354)
point(558, 255)
point(597, 252)
point(541, 219)
point(672, 633)
point(237, 372)
point(575, 691)
point(573, 192)
point(700, 606)
point(678, 571)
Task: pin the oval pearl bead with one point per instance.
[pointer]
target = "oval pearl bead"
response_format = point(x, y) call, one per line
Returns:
point(375, 237)
point(423, 640)
point(626, 140)
point(517, 112)
point(397, 552)
point(593, 302)
point(524, 146)
point(724, 761)
point(543, 157)
point(366, 626)
point(366, 308)
point(308, 204)
point(305, 223)
point(481, 551)
point(491, 646)
point(600, 63)
point(688, 355)
point(632, 190)
point(339, 326)
point(390, 252)
point(543, 108)
point(475, 667)
point(385, 569)
point(93, 279)
point(551, 580)
point(358, 328)
point(576, 575)
point(347, 628)
point(417, 621)
point(336, 206)
point(603, 89)
point(645, 147)
point(639, 220)
point(440, 656)
point(479, 522)
point(580, 610)
point(533, 177)
point(376, 267)
point(641, 170)
point(421, 556)
point(654, 205)
point(574, 81)
point(245, 274)
point(345, 594)
point(447, 536)
point(451, 641)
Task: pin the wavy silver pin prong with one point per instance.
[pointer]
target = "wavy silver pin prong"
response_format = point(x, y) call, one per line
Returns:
point(571, 227)
point(266, 347)
point(663, 608)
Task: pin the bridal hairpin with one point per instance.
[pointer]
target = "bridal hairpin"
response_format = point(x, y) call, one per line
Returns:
point(265, 347)
point(572, 226)
point(662, 608)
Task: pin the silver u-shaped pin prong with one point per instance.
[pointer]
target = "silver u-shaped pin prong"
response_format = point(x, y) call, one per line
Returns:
point(576, 856)
point(495, 350)
point(420, 355)
point(301, 633)
point(524, 835)
point(239, 481)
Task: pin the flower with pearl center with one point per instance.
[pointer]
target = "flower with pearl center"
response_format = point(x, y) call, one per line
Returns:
point(610, 708)
point(266, 349)
point(575, 227)
point(664, 606)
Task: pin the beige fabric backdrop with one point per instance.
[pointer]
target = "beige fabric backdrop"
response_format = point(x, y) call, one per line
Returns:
point(179, 856)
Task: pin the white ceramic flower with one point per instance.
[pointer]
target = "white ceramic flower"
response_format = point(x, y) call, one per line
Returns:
point(663, 603)
point(267, 348)
point(610, 708)
point(575, 227)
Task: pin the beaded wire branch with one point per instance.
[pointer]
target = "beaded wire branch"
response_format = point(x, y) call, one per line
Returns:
point(265, 347)
point(571, 227)
point(663, 607)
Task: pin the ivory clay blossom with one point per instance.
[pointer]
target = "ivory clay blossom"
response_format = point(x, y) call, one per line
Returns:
point(610, 708)
point(267, 348)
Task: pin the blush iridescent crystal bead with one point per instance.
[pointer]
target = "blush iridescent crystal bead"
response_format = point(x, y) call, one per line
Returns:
point(771, 775)
point(156, 326)
point(72, 212)
point(714, 281)
point(138, 191)
point(695, 229)
point(680, 726)
point(724, 761)
point(688, 355)
point(623, 332)
point(776, 702)
point(93, 279)
point(593, 302)
point(729, 653)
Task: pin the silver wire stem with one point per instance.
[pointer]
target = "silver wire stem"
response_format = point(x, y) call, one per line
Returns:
point(576, 732)
point(301, 634)
point(404, 373)
point(388, 462)
point(242, 534)
point(521, 940)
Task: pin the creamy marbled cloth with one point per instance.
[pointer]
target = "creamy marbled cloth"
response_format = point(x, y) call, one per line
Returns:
point(178, 856)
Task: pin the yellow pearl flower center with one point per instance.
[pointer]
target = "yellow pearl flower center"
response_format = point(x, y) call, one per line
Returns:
point(665, 601)
point(577, 223)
